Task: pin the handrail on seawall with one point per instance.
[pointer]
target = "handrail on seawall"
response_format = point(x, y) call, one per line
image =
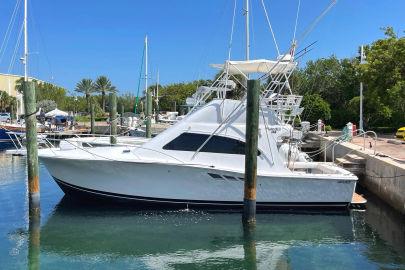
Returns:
point(362, 133)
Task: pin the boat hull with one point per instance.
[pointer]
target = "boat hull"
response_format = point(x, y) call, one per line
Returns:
point(6, 142)
point(178, 185)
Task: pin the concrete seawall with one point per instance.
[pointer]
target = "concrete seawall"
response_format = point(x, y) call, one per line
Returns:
point(383, 176)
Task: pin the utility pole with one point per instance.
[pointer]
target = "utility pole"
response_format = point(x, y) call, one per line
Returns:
point(362, 61)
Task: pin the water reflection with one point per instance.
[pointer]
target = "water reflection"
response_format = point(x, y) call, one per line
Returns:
point(167, 240)
point(82, 237)
point(249, 245)
point(34, 232)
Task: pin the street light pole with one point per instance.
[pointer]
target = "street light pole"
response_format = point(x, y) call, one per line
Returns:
point(362, 61)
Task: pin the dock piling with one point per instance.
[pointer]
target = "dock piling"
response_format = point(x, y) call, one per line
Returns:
point(122, 114)
point(252, 128)
point(249, 246)
point(34, 240)
point(31, 137)
point(92, 120)
point(113, 118)
point(148, 114)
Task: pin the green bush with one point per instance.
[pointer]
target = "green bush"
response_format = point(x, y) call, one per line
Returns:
point(315, 108)
point(82, 118)
point(100, 118)
point(328, 128)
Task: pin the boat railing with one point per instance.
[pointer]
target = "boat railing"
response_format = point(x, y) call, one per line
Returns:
point(126, 145)
point(11, 134)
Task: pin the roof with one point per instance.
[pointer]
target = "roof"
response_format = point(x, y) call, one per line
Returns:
point(257, 66)
point(56, 112)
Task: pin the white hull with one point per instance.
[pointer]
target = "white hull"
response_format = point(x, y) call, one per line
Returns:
point(187, 184)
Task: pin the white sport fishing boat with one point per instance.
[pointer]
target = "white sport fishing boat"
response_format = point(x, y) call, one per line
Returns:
point(199, 161)
point(172, 169)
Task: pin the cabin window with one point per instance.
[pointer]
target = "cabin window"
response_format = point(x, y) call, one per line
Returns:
point(217, 144)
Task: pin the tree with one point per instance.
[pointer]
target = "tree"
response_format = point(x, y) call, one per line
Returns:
point(384, 77)
point(8, 103)
point(46, 105)
point(19, 84)
point(104, 86)
point(336, 81)
point(48, 91)
point(177, 93)
point(315, 108)
point(128, 100)
point(86, 87)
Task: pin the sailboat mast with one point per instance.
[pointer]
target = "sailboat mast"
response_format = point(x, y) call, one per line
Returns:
point(146, 64)
point(247, 30)
point(25, 60)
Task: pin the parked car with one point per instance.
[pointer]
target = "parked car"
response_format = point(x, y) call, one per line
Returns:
point(5, 117)
point(401, 133)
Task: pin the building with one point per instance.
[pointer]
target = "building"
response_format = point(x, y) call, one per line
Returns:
point(8, 84)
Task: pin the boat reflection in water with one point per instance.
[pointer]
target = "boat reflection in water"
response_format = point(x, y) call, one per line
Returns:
point(97, 236)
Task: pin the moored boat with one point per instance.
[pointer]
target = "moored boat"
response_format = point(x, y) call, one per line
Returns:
point(170, 169)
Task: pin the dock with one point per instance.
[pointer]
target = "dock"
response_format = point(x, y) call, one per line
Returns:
point(380, 165)
point(358, 202)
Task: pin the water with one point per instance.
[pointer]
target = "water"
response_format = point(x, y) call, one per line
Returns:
point(77, 236)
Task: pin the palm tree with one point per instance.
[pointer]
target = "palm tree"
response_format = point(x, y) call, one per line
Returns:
point(7, 102)
point(103, 85)
point(86, 87)
point(19, 85)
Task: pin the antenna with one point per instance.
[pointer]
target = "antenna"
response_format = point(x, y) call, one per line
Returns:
point(316, 21)
point(247, 30)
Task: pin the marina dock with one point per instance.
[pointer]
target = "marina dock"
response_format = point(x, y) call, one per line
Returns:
point(379, 168)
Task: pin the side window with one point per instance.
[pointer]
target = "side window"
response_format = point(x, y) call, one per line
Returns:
point(217, 144)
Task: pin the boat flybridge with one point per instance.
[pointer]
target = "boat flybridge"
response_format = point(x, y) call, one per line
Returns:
point(199, 161)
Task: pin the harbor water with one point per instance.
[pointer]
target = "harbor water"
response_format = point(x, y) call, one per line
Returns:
point(74, 235)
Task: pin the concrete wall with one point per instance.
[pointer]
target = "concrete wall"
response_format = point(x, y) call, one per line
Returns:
point(383, 176)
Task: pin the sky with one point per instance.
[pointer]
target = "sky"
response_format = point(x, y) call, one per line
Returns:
point(71, 40)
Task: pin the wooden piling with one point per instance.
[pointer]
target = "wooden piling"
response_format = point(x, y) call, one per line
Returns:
point(113, 118)
point(249, 246)
point(34, 239)
point(252, 127)
point(148, 114)
point(32, 147)
point(157, 111)
point(122, 114)
point(92, 119)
